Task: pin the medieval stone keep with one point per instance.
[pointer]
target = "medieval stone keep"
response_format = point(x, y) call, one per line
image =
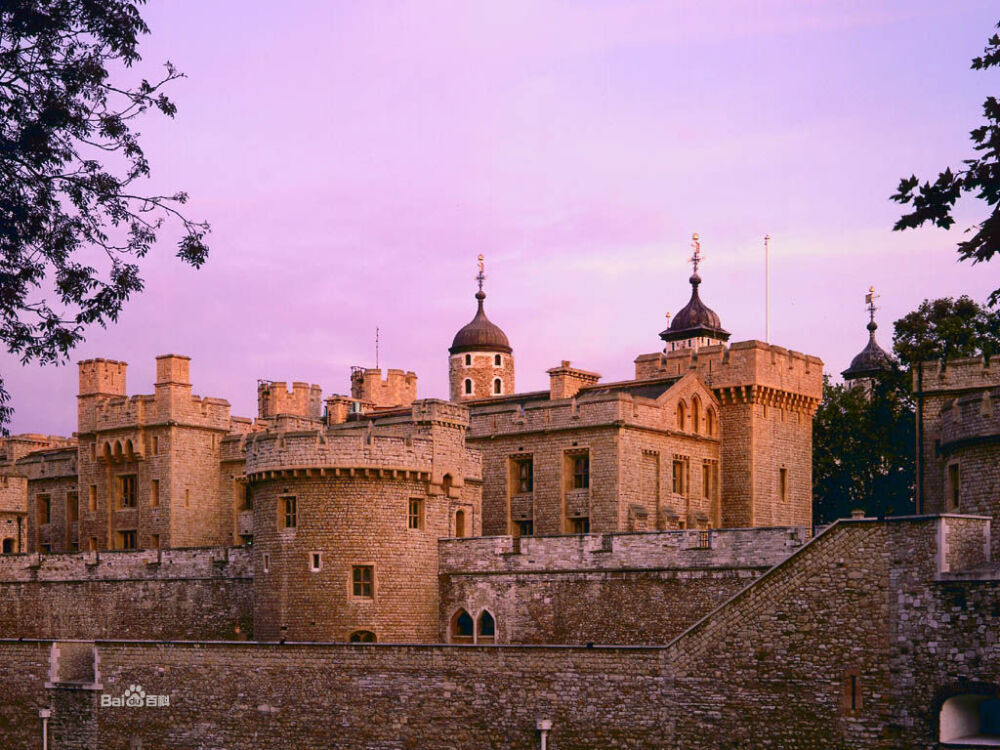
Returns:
point(630, 564)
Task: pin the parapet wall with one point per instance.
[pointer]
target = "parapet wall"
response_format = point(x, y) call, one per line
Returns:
point(199, 594)
point(956, 374)
point(199, 562)
point(304, 400)
point(398, 389)
point(271, 451)
point(971, 416)
point(740, 364)
point(49, 464)
point(727, 548)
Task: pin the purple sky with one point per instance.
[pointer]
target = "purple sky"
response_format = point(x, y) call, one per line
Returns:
point(353, 158)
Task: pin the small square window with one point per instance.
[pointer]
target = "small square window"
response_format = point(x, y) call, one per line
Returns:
point(126, 539)
point(581, 525)
point(315, 561)
point(524, 528)
point(415, 517)
point(362, 578)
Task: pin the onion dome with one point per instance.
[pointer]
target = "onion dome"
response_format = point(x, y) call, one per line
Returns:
point(872, 361)
point(696, 320)
point(480, 334)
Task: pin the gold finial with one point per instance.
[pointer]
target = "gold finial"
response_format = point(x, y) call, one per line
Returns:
point(870, 302)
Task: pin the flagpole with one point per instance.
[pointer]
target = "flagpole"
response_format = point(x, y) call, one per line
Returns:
point(767, 288)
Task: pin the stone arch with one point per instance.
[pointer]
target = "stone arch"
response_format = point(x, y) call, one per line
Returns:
point(462, 628)
point(107, 451)
point(486, 627)
point(970, 718)
point(681, 414)
point(363, 636)
point(459, 523)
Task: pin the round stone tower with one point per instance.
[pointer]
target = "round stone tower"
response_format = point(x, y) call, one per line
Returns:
point(346, 524)
point(481, 362)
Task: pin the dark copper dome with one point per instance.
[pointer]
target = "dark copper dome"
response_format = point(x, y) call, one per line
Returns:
point(873, 359)
point(480, 334)
point(695, 319)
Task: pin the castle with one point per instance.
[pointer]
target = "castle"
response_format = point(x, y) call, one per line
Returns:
point(386, 571)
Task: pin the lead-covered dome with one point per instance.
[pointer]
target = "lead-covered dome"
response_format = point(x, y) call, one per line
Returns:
point(873, 360)
point(480, 334)
point(695, 319)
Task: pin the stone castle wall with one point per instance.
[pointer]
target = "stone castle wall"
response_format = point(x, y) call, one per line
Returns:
point(614, 588)
point(201, 594)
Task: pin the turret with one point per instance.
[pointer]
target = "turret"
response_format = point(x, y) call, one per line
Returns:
point(873, 360)
point(481, 363)
point(696, 325)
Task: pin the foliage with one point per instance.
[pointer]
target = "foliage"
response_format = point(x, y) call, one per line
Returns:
point(934, 202)
point(863, 450)
point(946, 328)
point(73, 221)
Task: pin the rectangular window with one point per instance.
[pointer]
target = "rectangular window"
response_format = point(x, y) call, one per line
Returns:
point(93, 498)
point(704, 540)
point(156, 541)
point(154, 493)
point(267, 563)
point(581, 472)
point(415, 517)
point(852, 699)
point(954, 487)
point(93, 451)
point(706, 480)
point(525, 476)
point(247, 497)
point(581, 525)
point(783, 484)
point(315, 561)
point(156, 446)
point(287, 513)
point(680, 471)
point(44, 504)
point(187, 498)
point(362, 577)
point(126, 491)
point(524, 528)
point(72, 507)
point(126, 539)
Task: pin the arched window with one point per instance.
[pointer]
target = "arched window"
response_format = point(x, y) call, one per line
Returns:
point(971, 719)
point(710, 421)
point(118, 450)
point(681, 415)
point(8, 546)
point(461, 628)
point(468, 360)
point(363, 636)
point(486, 632)
point(460, 523)
point(468, 386)
point(446, 482)
point(129, 450)
point(497, 360)
point(497, 386)
point(695, 415)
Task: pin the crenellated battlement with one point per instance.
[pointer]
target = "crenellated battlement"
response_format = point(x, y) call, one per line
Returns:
point(274, 398)
point(956, 374)
point(440, 412)
point(348, 450)
point(103, 377)
point(970, 417)
point(744, 363)
point(399, 388)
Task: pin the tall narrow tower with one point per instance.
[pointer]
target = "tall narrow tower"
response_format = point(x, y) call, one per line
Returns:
point(481, 361)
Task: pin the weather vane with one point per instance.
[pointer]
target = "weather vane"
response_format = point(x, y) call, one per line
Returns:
point(481, 276)
point(870, 302)
point(696, 246)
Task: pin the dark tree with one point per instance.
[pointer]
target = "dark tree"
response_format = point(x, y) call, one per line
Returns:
point(73, 219)
point(863, 450)
point(933, 201)
point(946, 328)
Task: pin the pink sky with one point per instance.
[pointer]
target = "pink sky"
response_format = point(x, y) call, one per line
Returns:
point(353, 158)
